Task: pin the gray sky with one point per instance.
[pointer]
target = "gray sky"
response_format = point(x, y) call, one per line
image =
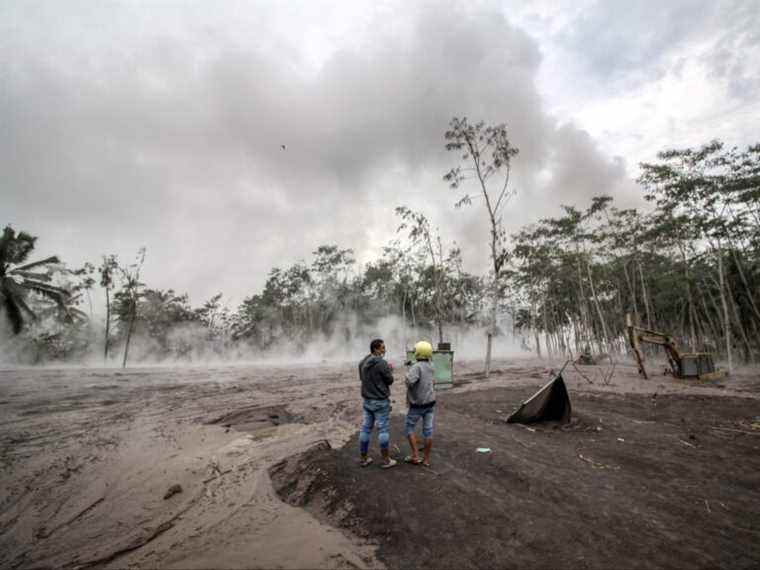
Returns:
point(161, 123)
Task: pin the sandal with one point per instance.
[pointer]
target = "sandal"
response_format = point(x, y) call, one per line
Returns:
point(391, 463)
point(412, 460)
point(365, 462)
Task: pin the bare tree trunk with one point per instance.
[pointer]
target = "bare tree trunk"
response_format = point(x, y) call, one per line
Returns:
point(582, 305)
point(129, 333)
point(681, 330)
point(726, 319)
point(748, 352)
point(490, 333)
point(689, 298)
point(598, 308)
point(645, 294)
point(546, 328)
point(108, 326)
point(576, 336)
point(708, 318)
point(755, 331)
point(534, 328)
point(747, 290)
point(631, 288)
point(403, 320)
point(718, 313)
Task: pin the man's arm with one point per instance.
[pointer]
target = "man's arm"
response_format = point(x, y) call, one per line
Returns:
point(386, 374)
point(413, 376)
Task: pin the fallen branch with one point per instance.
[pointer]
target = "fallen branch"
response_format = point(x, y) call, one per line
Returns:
point(221, 473)
point(525, 445)
point(608, 378)
point(595, 464)
point(687, 443)
point(735, 430)
point(586, 378)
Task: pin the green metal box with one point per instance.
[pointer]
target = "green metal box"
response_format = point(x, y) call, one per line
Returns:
point(443, 367)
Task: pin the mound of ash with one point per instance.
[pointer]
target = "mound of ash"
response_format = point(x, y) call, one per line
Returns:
point(311, 480)
point(294, 478)
point(626, 479)
point(253, 418)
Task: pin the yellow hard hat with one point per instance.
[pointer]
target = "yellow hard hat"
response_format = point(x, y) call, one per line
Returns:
point(423, 349)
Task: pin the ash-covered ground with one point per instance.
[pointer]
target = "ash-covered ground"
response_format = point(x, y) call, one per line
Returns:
point(658, 473)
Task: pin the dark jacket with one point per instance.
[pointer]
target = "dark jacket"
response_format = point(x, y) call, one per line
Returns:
point(376, 377)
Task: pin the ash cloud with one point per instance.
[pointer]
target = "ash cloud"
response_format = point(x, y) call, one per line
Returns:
point(129, 125)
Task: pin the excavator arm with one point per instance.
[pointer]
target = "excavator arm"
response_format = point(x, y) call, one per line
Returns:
point(637, 335)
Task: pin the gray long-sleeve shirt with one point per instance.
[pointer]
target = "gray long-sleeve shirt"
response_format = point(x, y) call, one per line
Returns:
point(420, 390)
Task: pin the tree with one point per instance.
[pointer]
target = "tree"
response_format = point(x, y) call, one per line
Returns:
point(213, 315)
point(421, 234)
point(106, 269)
point(488, 153)
point(330, 272)
point(17, 279)
point(709, 193)
point(131, 290)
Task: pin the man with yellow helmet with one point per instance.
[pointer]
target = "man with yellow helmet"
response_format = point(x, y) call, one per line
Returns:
point(420, 395)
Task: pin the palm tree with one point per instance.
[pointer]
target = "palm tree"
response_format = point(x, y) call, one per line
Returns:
point(17, 279)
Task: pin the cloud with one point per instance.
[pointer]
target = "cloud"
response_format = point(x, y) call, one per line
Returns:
point(214, 137)
point(620, 45)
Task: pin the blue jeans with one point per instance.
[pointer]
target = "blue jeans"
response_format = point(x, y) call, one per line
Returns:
point(414, 415)
point(375, 410)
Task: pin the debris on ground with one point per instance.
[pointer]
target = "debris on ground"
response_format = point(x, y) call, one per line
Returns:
point(173, 490)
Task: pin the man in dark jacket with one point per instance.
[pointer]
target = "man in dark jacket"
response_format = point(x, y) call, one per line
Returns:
point(376, 377)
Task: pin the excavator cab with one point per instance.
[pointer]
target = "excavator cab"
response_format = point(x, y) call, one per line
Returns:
point(697, 364)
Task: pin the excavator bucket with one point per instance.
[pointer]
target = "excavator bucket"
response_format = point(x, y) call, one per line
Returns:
point(550, 403)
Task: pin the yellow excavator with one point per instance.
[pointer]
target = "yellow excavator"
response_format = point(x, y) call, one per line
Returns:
point(698, 365)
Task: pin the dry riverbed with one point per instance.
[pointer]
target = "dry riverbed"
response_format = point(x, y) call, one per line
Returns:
point(255, 467)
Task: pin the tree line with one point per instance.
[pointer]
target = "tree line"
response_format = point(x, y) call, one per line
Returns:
point(688, 264)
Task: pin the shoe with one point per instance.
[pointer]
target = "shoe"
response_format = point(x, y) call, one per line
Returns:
point(389, 464)
point(365, 462)
point(412, 460)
